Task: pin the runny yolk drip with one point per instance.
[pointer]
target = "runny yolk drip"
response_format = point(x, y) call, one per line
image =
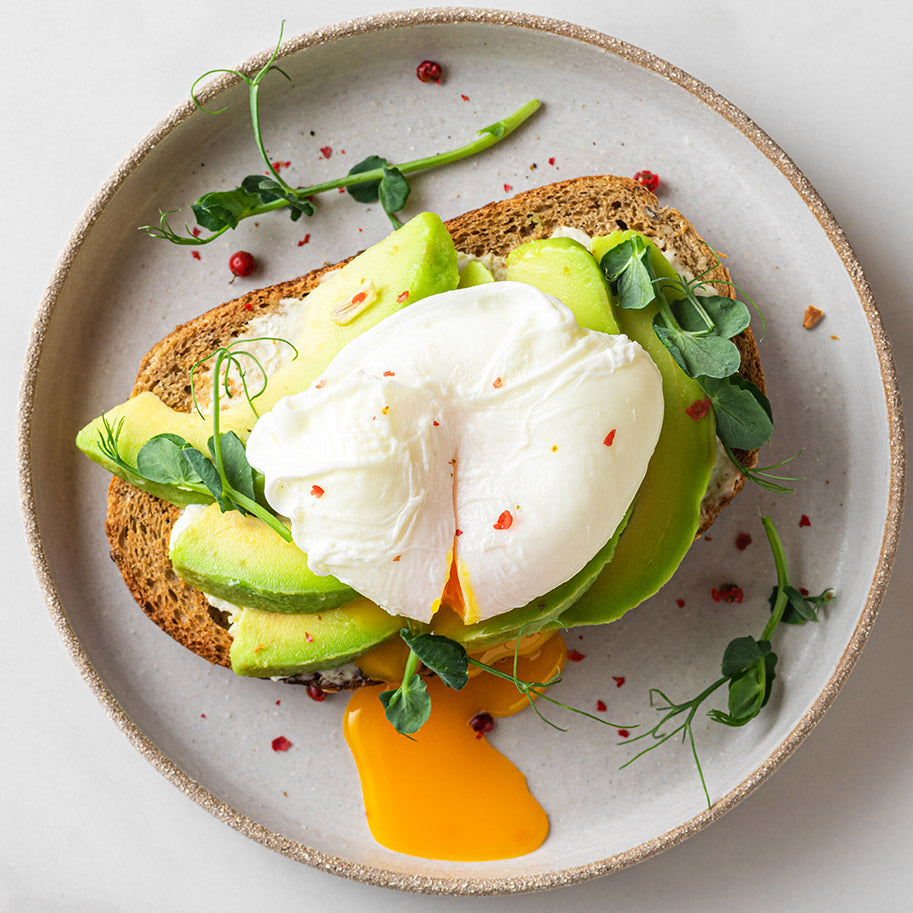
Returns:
point(445, 793)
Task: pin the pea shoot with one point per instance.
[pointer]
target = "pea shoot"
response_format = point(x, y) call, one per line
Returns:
point(698, 331)
point(371, 180)
point(747, 668)
point(224, 474)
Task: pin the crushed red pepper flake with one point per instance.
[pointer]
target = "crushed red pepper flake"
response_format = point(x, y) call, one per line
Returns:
point(505, 521)
point(680, 603)
point(321, 383)
point(575, 656)
point(742, 541)
point(464, 97)
point(326, 151)
point(623, 733)
point(402, 296)
point(619, 680)
point(803, 591)
point(195, 231)
point(804, 521)
point(397, 557)
point(304, 240)
point(248, 306)
point(389, 373)
point(341, 190)
point(698, 409)
point(728, 592)
point(317, 491)
point(308, 638)
point(278, 703)
point(196, 255)
point(601, 706)
point(436, 423)
point(508, 188)
point(610, 438)
point(459, 532)
point(551, 160)
point(203, 716)
point(497, 383)
point(359, 297)
point(281, 743)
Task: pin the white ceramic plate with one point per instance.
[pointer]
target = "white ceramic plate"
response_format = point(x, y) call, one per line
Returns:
point(608, 107)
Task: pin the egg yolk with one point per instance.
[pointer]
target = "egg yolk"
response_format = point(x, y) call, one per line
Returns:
point(445, 793)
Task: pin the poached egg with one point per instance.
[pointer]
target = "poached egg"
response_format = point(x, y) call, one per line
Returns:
point(478, 441)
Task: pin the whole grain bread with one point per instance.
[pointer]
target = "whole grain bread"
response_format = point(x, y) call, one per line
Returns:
point(139, 525)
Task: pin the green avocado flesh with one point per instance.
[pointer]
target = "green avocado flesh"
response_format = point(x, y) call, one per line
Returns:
point(566, 269)
point(666, 512)
point(243, 561)
point(266, 644)
point(474, 273)
point(414, 262)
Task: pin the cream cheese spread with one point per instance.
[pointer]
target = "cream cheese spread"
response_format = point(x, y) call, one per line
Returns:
point(481, 431)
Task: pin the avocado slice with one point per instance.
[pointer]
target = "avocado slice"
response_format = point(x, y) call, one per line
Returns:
point(564, 268)
point(665, 517)
point(414, 262)
point(475, 273)
point(268, 644)
point(243, 561)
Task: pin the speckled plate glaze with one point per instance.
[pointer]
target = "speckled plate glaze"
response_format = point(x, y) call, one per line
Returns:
point(608, 107)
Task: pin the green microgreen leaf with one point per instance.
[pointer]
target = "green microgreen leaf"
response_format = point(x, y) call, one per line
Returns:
point(238, 471)
point(627, 269)
point(742, 653)
point(408, 707)
point(443, 656)
point(392, 189)
point(206, 470)
point(697, 354)
point(799, 607)
point(393, 193)
point(267, 190)
point(742, 411)
point(724, 317)
point(223, 209)
point(367, 191)
point(749, 691)
point(162, 459)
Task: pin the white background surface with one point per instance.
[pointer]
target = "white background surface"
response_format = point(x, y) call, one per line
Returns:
point(88, 824)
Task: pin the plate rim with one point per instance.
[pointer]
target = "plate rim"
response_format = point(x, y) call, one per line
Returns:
point(378, 876)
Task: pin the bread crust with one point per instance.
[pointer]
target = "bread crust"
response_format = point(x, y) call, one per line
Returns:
point(139, 525)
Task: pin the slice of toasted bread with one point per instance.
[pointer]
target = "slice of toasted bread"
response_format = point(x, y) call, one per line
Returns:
point(139, 525)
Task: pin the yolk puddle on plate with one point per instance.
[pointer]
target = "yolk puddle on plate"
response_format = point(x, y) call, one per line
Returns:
point(445, 793)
